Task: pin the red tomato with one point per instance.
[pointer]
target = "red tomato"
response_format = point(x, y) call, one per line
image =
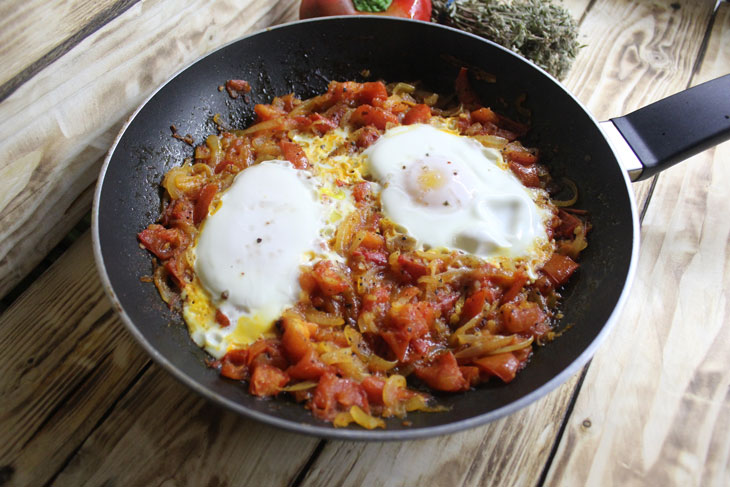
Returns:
point(160, 241)
point(443, 375)
point(310, 367)
point(464, 92)
point(522, 318)
point(417, 114)
point(502, 365)
point(334, 393)
point(370, 115)
point(331, 279)
point(233, 364)
point(374, 389)
point(267, 380)
point(526, 174)
point(204, 198)
point(559, 268)
point(294, 154)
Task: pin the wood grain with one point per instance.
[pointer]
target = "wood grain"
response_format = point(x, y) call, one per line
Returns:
point(65, 363)
point(639, 52)
point(173, 437)
point(654, 407)
point(25, 48)
point(70, 112)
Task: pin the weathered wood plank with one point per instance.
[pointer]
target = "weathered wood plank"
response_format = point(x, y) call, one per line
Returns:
point(510, 451)
point(57, 126)
point(35, 33)
point(639, 52)
point(161, 433)
point(66, 359)
point(514, 451)
point(654, 408)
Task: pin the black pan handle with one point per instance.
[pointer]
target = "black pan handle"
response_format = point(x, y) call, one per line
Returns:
point(678, 127)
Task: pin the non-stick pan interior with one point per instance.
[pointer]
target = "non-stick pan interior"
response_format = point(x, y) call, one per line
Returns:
point(302, 58)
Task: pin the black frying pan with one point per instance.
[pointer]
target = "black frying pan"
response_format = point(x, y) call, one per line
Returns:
point(302, 58)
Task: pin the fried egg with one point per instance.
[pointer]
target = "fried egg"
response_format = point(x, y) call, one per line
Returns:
point(449, 191)
point(248, 254)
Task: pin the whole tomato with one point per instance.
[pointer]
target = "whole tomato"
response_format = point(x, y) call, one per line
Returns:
point(410, 9)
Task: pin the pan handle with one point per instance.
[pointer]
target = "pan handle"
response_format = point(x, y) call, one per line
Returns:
point(676, 128)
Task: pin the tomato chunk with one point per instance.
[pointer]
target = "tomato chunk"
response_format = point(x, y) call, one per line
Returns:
point(522, 318)
point(443, 375)
point(294, 154)
point(417, 114)
point(370, 115)
point(464, 92)
point(333, 394)
point(502, 365)
point(267, 380)
point(331, 279)
point(207, 193)
point(559, 269)
point(309, 367)
point(234, 364)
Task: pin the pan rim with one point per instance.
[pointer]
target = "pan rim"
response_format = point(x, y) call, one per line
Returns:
point(326, 430)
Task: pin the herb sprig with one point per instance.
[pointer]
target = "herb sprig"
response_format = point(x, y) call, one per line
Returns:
point(539, 30)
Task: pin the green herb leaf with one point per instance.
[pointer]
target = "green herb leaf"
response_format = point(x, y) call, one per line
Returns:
point(540, 30)
point(371, 5)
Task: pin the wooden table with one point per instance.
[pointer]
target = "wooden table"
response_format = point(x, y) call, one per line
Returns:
point(81, 403)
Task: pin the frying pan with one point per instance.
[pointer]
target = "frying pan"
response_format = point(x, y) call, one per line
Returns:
point(302, 57)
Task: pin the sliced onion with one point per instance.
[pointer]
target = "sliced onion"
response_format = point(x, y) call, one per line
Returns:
point(571, 201)
point(364, 419)
point(322, 318)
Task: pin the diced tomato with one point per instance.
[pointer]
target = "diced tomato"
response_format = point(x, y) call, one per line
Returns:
point(484, 115)
point(521, 318)
point(372, 93)
point(267, 112)
point(521, 155)
point(361, 191)
point(370, 115)
point(267, 380)
point(443, 375)
point(333, 394)
point(204, 198)
point(295, 338)
point(464, 91)
point(179, 213)
point(234, 364)
point(237, 86)
point(443, 301)
point(415, 318)
point(417, 114)
point(309, 367)
point(366, 136)
point(470, 373)
point(374, 389)
point(568, 223)
point(294, 154)
point(379, 257)
point(331, 279)
point(412, 267)
point(321, 125)
point(266, 352)
point(373, 241)
point(222, 319)
point(474, 304)
point(519, 281)
point(502, 365)
point(526, 174)
point(160, 241)
point(559, 268)
point(176, 267)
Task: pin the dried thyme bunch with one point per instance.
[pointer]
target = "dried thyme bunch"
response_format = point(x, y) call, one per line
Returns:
point(539, 30)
